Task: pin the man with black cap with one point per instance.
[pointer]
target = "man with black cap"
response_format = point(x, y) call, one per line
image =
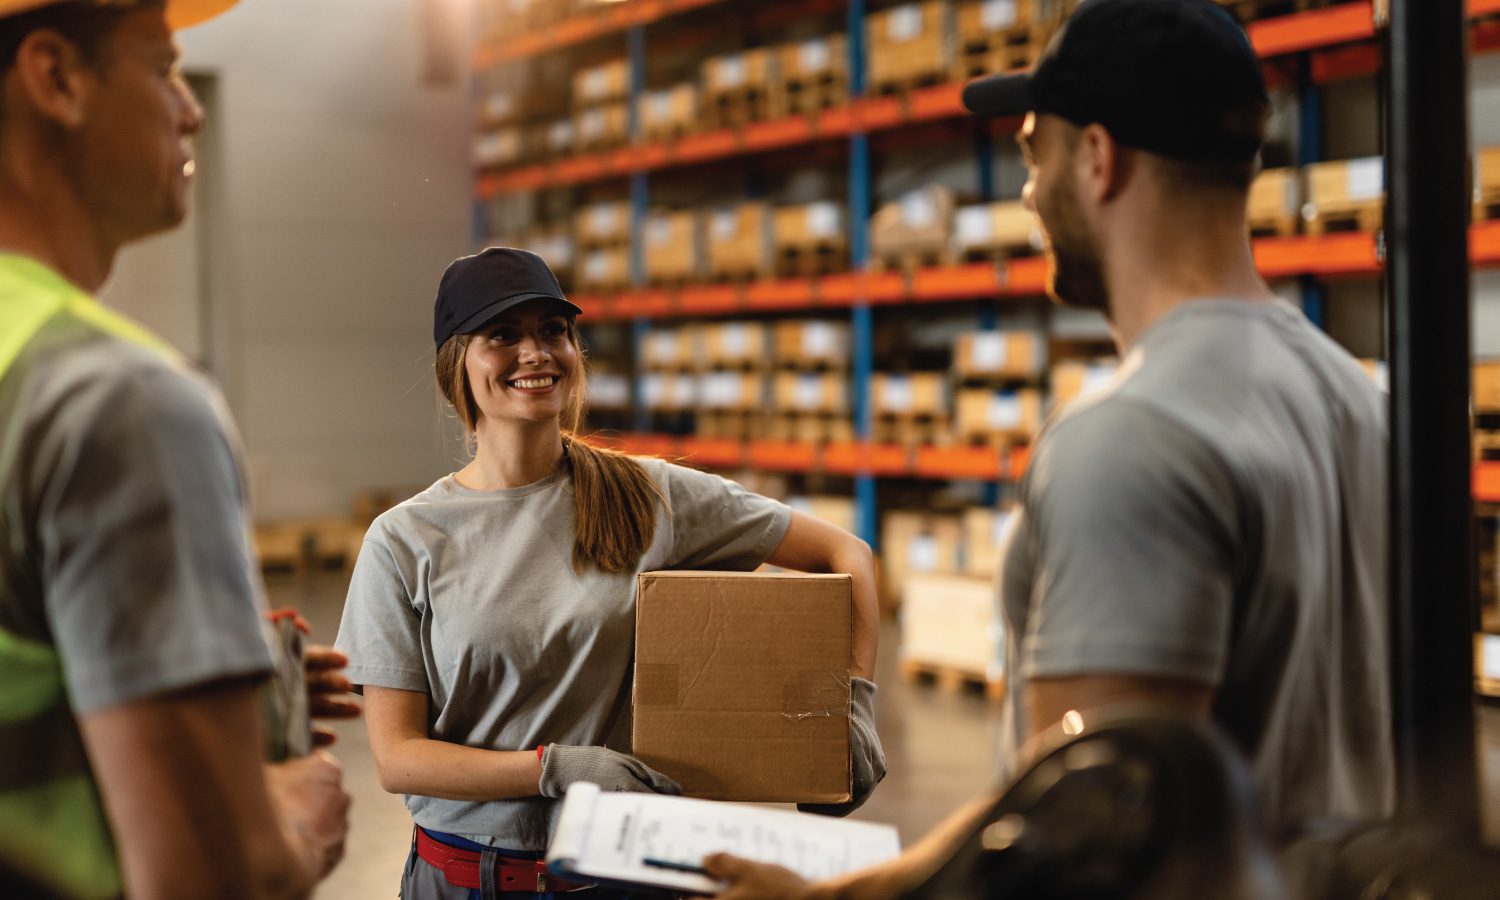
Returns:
point(132, 639)
point(1207, 532)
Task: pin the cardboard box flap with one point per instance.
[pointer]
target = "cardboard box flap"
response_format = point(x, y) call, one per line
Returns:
point(742, 683)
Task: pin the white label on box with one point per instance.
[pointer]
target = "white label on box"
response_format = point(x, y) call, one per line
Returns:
point(560, 135)
point(659, 231)
point(660, 106)
point(820, 340)
point(591, 124)
point(718, 390)
point(724, 224)
point(1490, 657)
point(813, 56)
point(653, 390)
point(736, 340)
point(661, 346)
point(1293, 199)
point(732, 71)
point(1366, 178)
point(904, 23)
point(989, 351)
point(609, 391)
point(595, 83)
point(808, 393)
point(823, 219)
point(604, 218)
point(685, 391)
point(898, 394)
point(997, 14)
point(918, 210)
point(974, 225)
point(499, 105)
point(1005, 411)
point(596, 266)
point(923, 554)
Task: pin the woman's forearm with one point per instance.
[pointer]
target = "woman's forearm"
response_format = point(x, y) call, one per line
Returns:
point(430, 768)
point(856, 560)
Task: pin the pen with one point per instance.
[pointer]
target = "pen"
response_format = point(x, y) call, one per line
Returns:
point(674, 866)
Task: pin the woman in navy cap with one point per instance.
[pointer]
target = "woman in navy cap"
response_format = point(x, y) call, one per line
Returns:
point(491, 618)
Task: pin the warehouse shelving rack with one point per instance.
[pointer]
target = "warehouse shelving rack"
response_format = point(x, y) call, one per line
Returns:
point(1333, 44)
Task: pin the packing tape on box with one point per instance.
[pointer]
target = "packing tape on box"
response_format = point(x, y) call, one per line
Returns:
point(816, 693)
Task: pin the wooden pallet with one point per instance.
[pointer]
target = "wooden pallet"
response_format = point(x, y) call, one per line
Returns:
point(727, 424)
point(995, 52)
point(1487, 207)
point(663, 132)
point(806, 97)
point(909, 260)
point(808, 427)
point(726, 274)
point(905, 85)
point(1280, 226)
point(950, 680)
point(813, 259)
point(995, 254)
point(913, 429)
point(737, 108)
point(1363, 215)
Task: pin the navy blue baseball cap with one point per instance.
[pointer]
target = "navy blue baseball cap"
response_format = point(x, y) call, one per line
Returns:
point(1178, 78)
point(475, 289)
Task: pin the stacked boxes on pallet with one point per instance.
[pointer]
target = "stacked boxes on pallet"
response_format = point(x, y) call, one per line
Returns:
point(995, 36)
point(602, 240)
point(914, 231)
point(910, 45)
point(738, 242)
point(671, 242)
point(1348, 194)
point(1275, 203)
point(555, 245)
point(1074, 378)
point(810, 76)
point(669, 356)
point(1487, 183)
point(995, 231)
point(999, 403)
point(810, 239)
point(737, 88)
point(914, 543)
point(811, 385)
point(669, 113)
point(733, 389)
point(911, 408)
point(601, 114)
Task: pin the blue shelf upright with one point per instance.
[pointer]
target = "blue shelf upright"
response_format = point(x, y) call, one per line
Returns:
point(862, 325)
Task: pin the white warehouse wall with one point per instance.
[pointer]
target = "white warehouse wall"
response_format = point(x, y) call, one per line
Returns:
point(343, 189)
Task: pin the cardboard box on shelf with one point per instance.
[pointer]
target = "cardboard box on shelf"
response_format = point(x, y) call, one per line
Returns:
point(1486, 181)
point(603, 224)
point(603, 126)
point(910, 45)
point(671, 349)
point(557, 138)
point(731, 391)
point(738, 239)
point(669, 113)
point(604, 83)
point(952, 622)
point(837, 511)
point(917, 542)
point(671, 242)
point(735, 344)
point(1074, 377)
point(910, 394)
point(811, 75)
point(998, 416)
point(742, 684)
point(811, 392)
point(996, 36)
point(812, 342)
point(603, 269)
point(499, 147)
point(669, 391)
point(1487, 386)
point(1016, 355)
point(1275, 205)
point(747, 69)
point(915, 230)
point(554, 244)
point(1345, 192)
point(810, 224)
point(983, 528)
point(995, 229)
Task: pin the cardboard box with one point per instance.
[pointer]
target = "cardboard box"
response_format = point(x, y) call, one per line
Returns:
point(669, 391)
point(671, 243)
point(814, 59)
point(603, 224)
point(602, 83)
point(805, 342)
point(913, 394)
point(742, 684)
point(1016, 355)
point(735, 343)
point(1338, 187)
point(604, 269)
point(1487, 386)
point(734, 72)
point(731, 391)
point(554, 244)
point(500, 147)
point(999, 228)
point(669, 113)
point(1487, 172)
point(978, 19)
point(1276, 201)
point(1071, 378)
point(917, 542)
point(819, 392)
point(810, 225)
point(953, 622)
point(910, 43)
point(670, 348)
point(739, 239)
point(921, 222)
point(602, 126)
point(983, 529)
point(1008, 416)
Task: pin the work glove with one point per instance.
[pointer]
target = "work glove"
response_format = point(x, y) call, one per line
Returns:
point(563, 765)
point(866, 758)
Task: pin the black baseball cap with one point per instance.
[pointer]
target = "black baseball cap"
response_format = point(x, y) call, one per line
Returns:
point(1173, 77)
point(475, 289)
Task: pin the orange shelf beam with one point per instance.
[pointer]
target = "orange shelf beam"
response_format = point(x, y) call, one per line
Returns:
point(609, 20)
point(783, 456)
point(1487, 482)
point(1342, 24)
point(1479, 8)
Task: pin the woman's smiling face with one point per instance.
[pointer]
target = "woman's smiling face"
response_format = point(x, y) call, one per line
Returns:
point(521, 366)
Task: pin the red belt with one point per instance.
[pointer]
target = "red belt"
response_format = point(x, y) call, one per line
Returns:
point(461, 868)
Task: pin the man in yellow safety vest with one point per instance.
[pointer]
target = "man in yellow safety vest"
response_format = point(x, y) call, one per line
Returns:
point(132, 633)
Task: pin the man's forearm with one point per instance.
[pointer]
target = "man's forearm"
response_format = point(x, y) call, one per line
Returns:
point(914, 867)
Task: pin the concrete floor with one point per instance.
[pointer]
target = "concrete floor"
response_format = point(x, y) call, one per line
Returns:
point(938, 746)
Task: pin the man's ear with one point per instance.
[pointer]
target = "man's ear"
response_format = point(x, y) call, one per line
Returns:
point(1103, 165)
point(53, 77)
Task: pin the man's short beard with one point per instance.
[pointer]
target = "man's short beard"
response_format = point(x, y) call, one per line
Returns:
point(1075, 274)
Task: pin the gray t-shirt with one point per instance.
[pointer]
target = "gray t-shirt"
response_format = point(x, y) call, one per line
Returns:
point(1217, 514)
point(124, 541)
point(471, 597)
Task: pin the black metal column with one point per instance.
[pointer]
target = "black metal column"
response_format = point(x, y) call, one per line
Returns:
point(1432, 558)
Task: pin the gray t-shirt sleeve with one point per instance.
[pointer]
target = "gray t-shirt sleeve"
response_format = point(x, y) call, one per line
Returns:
point(381, 631)
point(717, 524)
point(141, 523)
point(1132, 518)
